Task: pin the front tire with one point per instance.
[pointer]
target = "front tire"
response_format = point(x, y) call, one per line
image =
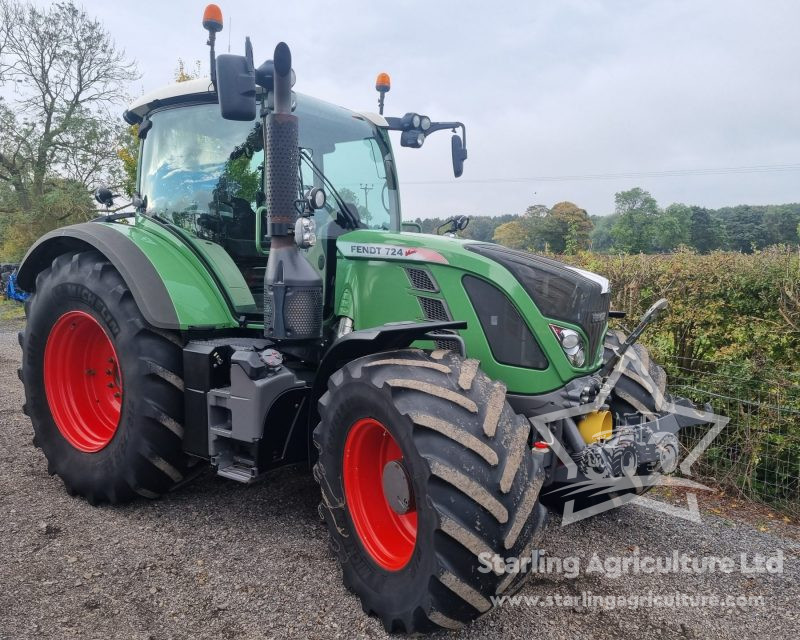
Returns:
point(103, 389)
point(640, 390)
point(433, 436)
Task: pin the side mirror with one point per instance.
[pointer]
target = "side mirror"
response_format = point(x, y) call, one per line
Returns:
point(104, 196)
point(416, 227)
point(459, 155)
point(236, 87)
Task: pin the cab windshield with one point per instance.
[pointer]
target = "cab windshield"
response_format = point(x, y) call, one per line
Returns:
point(204, 175)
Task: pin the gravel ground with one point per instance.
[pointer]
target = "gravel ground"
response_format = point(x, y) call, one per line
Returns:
point(219, 560)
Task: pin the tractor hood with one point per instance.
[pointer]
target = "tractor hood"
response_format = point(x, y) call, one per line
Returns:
point(433, 248)
point(548, 295)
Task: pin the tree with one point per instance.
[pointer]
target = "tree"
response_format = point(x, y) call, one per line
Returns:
point(128, 154)
point(512, 234)
point(520, 232)
point(702, 233)
point(744, 227)
point(601, 239)
point(672, 228)
point(184, 73)
point(483, 227)
point(633, 229)
point(568, 228)
point(68, 72)
point(781, 222)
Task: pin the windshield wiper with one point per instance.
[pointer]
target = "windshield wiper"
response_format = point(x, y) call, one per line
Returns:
point(349, 214)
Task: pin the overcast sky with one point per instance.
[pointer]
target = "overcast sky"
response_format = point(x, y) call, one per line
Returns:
point(547, 89)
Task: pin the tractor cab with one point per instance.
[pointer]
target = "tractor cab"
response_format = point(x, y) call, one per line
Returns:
point(205, 175)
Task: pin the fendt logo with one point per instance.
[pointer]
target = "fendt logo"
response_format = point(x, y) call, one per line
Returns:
point(602, 490)
point(390, 252)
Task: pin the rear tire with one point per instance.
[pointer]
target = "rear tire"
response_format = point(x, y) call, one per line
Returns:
point(118, 437)
point(471, 473)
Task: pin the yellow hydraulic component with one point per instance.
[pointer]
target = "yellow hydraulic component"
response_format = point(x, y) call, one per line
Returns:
point(596, 426)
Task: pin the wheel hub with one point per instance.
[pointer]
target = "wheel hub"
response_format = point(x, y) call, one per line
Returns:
point(397, 487)
point(83, 381)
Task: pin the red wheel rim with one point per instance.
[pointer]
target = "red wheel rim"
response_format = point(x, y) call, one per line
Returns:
point(388, 537)
point(83, 381)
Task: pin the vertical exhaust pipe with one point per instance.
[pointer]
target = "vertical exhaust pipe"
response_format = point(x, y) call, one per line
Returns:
point(292, 288)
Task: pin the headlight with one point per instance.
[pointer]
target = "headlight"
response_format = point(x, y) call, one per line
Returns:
point(572, 345)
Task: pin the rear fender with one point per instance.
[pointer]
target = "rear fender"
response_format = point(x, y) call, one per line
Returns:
point(171, 287)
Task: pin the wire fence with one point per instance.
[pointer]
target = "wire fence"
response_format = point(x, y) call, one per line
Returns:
point(758, 452)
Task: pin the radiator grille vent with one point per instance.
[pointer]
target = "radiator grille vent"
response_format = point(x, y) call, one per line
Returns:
point(302, 313)
point(447, 345)
point(434, 309)
point(421, 280)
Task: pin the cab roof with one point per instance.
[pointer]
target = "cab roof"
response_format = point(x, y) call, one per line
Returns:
point(201, 90)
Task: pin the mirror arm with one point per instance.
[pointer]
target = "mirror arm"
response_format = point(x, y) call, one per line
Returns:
point(439, 126)
point(396, 124)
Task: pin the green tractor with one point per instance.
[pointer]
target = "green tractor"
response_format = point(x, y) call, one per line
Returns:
point(254, 312)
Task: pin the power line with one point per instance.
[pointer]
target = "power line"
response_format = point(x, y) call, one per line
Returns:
point(720, 171)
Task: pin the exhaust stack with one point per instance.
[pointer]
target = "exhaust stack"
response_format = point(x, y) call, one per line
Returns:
point(292, 288)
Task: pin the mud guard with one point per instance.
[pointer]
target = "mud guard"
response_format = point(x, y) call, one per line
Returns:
point(146, 285)
point(396, 335)
point(156, 272)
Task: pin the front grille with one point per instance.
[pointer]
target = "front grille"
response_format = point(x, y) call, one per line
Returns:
point(597, 322)
point(421, 280)
point(433, 309)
